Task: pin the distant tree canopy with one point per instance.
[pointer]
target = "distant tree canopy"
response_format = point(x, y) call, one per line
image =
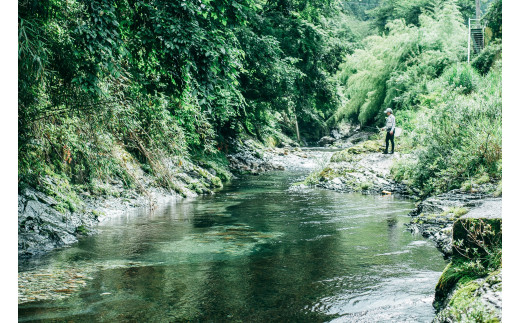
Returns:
point(493, 18)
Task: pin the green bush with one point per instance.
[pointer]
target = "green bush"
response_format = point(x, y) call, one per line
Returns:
point(487, 57)
point(365, 185)
point(484, 178)
point(462, 77)
point(460, 136)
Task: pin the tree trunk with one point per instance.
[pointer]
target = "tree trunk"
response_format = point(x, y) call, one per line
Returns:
point(297, 129)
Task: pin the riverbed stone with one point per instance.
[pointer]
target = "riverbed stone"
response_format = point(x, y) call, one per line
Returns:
point(327, 140)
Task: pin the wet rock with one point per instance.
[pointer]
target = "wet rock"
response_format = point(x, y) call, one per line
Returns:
point(337, 181)
point(336, 134)
point(324, 141)
point(360, 169)
point(455, 198)
point(252, 158)
point(42, 228)
point(434, 217)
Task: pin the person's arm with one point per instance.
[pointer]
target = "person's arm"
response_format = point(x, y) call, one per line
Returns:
point(393, 125)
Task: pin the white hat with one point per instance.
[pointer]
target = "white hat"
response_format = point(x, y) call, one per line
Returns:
point(388, 110)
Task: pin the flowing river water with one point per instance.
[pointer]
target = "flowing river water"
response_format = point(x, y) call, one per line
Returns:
point(257, 251)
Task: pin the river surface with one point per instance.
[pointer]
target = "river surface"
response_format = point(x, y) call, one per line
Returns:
point(256, 251)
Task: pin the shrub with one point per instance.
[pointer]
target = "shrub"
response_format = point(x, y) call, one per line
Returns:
point(365, 185)
point(456, 136)
point(462, 77)
point(487, 57)
point(483, 179)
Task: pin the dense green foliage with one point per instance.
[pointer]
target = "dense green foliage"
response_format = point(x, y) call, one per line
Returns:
point(392, 70)
point(168, 82)
point(451, 112)
point(493, 18)
point(456, 131)
point(460, 140)
point(170, 79)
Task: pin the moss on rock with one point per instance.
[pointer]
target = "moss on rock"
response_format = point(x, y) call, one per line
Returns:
point(216, 182)
point(348, 154)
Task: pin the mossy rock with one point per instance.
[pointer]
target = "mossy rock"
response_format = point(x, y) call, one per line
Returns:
point(371, 146)
point(365, 186)
point(452, 276)
point(466, 306)
point(326, 174)
point(498, 191)
point(455, 212)
point(82, 230)
point(59, 188)
point(466, 186)
point(362, 148)
point(483, 179)
point(342, 156)
point(272, 141)
point(446, 283)
point(216, 182)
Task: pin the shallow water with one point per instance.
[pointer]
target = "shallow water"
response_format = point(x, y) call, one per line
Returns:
point(254, 252)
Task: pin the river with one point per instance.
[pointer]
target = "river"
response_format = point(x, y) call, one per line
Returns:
point(256, 251)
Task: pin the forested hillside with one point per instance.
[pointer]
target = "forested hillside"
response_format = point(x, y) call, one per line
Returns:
point(181, 80)
point(163, 78)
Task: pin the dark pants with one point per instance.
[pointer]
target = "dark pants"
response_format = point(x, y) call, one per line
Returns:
point(389, 137)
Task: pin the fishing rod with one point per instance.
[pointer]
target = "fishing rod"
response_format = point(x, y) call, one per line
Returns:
point(370, 127)
point(397, 129)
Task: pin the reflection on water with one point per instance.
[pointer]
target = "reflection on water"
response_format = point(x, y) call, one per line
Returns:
point(256, 252)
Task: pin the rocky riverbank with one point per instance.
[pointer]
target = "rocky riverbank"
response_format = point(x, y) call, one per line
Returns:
point(465, 291)
point(479, 300)
point(361, 167)
point(434, 217)
point(57, 214)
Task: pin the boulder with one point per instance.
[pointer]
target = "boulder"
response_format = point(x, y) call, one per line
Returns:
point(42, 228)
point(326, 141)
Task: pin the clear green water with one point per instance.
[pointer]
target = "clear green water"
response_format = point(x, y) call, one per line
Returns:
point(255, 252)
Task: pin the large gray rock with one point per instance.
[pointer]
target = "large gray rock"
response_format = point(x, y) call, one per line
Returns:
point(326, 141)
point(443, 202)
point(489, 209)
point(438, 224)
point(41, 228)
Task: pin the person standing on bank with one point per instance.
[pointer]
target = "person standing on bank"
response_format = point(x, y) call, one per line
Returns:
point(390, 130)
